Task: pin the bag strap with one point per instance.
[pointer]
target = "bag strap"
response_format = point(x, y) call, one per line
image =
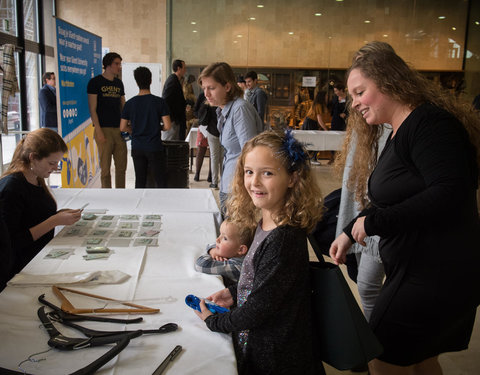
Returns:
point(316, 248)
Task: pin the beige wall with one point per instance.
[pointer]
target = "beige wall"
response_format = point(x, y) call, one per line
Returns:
point(224, 31)
point(134, 29)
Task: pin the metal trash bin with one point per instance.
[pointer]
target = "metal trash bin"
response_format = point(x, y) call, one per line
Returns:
point(176, 155)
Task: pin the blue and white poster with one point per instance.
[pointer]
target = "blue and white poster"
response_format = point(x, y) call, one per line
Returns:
point(79, 58)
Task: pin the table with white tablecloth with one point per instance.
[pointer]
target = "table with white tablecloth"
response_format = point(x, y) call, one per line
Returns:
point(320, 140)
point(192, 143)
point(314, 140)
point(160, 277)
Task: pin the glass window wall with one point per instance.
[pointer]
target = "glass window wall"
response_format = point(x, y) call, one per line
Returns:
point(30, 20)
point(8, 17)
point(317, 34)
point(31, 70)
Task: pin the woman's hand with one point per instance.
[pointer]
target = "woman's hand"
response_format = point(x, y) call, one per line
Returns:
point(222, 298)
point(358, 231)
point(62, 217)
point(67, 216)
point(339, 248)
point(205, 311)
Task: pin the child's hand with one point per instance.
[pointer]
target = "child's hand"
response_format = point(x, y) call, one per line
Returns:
point(214, 255)
point(205, 311)
point(222, 298)
point(339, 248)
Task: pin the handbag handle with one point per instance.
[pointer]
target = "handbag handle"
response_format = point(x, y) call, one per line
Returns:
point(316, 248)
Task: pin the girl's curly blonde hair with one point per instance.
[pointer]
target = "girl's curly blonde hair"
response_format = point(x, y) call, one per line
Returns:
point(303, 202)
point(395, 78)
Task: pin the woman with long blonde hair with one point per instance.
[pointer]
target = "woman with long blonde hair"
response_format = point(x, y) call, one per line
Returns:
point(423, 206)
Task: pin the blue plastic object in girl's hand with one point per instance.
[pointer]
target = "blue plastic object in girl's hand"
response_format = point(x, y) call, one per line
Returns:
point(194, 303)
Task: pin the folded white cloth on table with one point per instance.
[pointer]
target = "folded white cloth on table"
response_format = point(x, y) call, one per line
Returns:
point(84, 278)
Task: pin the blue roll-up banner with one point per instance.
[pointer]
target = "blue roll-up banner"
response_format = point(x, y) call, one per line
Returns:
point(79, 58)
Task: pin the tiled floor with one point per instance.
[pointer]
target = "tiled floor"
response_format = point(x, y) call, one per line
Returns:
point(461, 363)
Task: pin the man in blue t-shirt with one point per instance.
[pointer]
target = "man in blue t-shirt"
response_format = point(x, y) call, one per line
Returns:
point(106, 98)
point(146, 113)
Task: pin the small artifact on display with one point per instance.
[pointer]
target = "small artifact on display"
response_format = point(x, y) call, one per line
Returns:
point(67, 306)
point(59, 253)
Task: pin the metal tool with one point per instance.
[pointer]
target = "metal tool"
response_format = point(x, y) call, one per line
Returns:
point(160, 369)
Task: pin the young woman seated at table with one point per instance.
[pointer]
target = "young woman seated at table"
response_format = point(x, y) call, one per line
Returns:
point(29, 209)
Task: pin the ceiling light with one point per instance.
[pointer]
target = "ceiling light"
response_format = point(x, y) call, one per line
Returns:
point(367, 21)
point(318, 14)
point(454, 28)
point(239, 35)
point(252, 18)
point(194, 31)
point(193, 23)
point(260, 6)
point(385, 35)
point(290, 33)
point(441, 17)
point(477, 23)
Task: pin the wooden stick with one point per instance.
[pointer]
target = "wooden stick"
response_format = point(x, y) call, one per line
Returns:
point(68, 307)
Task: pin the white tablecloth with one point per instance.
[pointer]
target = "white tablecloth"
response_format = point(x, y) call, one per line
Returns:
point(318, 140)
point(192, 138)
point(161, 277)
point(314, 140)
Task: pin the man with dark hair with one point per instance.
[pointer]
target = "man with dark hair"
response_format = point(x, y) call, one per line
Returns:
point(255, 95)
point(106, 98)
point(146, 112)
point(47, 98)
point(173, 95)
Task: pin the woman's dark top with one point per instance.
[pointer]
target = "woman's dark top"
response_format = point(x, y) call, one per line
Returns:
point(6, 257)
point(25, 205)
point(338, 123)
point(277, 311)
point(206, 114)
point(423, 192)
point(310, 124)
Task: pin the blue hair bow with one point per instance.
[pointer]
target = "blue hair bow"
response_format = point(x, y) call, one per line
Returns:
point(294, 150)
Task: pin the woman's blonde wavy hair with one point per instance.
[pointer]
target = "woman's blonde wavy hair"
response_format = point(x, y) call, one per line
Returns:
point(303, 203)
point(395, 78)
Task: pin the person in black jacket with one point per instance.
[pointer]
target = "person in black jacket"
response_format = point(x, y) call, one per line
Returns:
point(47, 98)
point(270, 315)
point(173, 95)
point(207, 116)
point(423, 207)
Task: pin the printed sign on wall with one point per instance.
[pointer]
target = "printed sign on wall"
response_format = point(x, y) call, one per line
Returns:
point(79, 58)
